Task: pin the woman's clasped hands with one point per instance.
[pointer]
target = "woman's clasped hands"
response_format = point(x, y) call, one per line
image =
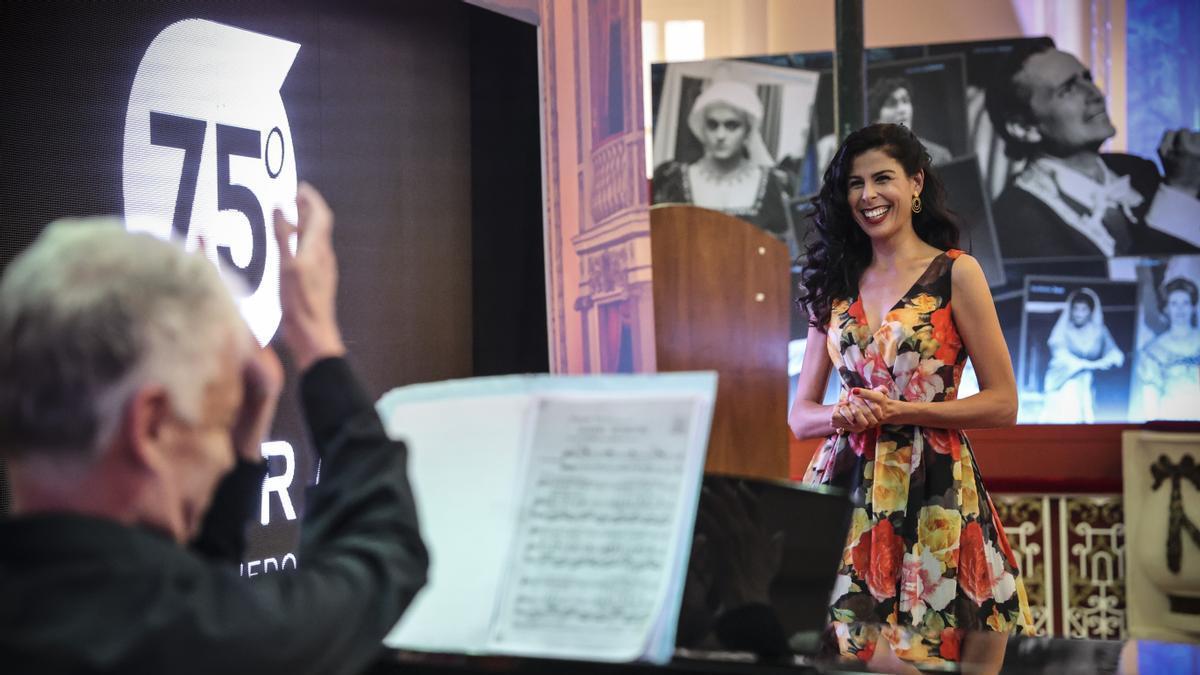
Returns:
point(864, 409)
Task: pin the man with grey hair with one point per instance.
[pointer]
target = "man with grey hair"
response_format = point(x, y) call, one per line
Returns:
point(131, 392)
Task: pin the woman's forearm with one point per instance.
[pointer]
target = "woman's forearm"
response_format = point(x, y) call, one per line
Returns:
point(810, 420)
point(988, 408)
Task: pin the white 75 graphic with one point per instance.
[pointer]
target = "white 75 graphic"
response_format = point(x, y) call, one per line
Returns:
point(208, 152)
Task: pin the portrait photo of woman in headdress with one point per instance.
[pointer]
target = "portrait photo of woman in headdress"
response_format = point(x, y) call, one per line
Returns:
point(736, 174)
point(721, 130)
point(1080, 344)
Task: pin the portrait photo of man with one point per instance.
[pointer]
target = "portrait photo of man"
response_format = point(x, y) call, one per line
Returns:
point(1069, 199)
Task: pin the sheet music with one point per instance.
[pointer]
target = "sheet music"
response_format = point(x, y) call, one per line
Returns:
point(597, 539)
point(478, 491)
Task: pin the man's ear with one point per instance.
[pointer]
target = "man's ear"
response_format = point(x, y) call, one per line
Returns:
point(146, 425)
point(1023, 131)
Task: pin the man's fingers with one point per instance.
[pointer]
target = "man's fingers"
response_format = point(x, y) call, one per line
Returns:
point(316, 219)
point(264, 372)
point(283, 235)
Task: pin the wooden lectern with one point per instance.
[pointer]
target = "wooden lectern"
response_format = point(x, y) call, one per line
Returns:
point(722, 293)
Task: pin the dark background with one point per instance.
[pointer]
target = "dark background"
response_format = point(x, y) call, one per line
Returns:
point(419, 122)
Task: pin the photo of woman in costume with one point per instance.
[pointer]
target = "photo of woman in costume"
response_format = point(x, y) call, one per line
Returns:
point(892, 98)
point(1167, 375)
point(736, 174)
point(1080, 344)
point(927, 576)
point(890, 101)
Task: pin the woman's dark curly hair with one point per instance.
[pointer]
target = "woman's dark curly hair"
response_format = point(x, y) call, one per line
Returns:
point(841, 251)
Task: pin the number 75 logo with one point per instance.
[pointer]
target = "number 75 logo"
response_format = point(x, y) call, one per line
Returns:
point(208, 153)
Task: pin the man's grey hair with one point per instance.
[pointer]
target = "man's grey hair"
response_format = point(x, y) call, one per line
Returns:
point(88, 316)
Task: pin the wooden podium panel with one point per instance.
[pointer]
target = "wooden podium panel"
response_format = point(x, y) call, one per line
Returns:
point(721, 301)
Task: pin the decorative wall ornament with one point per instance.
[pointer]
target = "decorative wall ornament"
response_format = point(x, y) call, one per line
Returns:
point(1162, 498)
point(1092, 571)
point(606, 270)
point(1071, 551)
point(1177, 520)
point(1028, 529)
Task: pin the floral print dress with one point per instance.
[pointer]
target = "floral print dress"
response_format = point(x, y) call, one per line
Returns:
point(926, 558)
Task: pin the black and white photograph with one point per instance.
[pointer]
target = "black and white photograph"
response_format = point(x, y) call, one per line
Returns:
point(966, 198)
point(1077, 342)
point(722, 131)
point(981, 61)
point(1166, 368)
point(1067, 197)
point(926, 95)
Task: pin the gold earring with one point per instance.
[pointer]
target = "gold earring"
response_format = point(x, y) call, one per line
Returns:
point(916, 204)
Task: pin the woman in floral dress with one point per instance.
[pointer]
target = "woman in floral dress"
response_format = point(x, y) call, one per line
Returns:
point(927, 574)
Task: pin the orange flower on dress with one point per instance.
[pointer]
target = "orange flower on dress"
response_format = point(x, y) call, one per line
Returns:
point(952, 392)
point(944, 442)
point(860, 554)
point(946, 334)
point(866, 652)
point(953, 253)
point(887, 553)
point(856, 310)
point(951, 641)
point(1001, 538)
point(974, 572)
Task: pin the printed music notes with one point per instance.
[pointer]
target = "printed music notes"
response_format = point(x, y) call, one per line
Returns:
point(558, 516)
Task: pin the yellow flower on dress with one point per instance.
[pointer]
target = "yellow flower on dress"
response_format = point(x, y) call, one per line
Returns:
point(917, 650)
point(926, 344)
point(905, 316)
point(840, 307)
point(998, 622)
point(859, 523)
point(924, 303)
point(968, 494)
point(889, 493)
point(938, 529)
point(859, 332)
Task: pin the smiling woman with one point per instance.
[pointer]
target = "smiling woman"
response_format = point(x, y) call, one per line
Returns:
point(927, 567)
